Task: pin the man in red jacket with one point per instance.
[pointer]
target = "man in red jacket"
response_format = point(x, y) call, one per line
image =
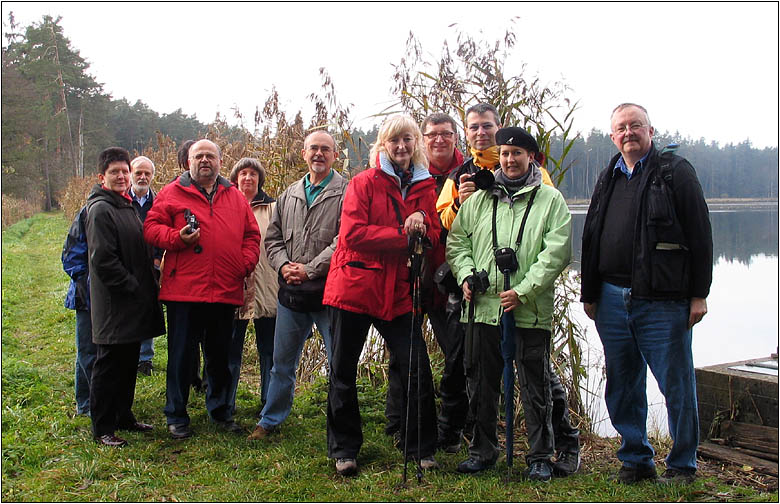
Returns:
point(206, 261)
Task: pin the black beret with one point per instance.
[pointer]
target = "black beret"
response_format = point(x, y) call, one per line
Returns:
point(517, 137)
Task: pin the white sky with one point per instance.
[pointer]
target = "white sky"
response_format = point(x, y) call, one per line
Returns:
point(704, 69)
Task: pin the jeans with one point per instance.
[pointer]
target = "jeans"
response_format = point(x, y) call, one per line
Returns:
point(264, 341)
point(292, 330)
point(147, 350)
point(638, 333)
point(86, 352)
point(187, 323)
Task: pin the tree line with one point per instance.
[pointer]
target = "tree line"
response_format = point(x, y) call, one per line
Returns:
point(729, 171)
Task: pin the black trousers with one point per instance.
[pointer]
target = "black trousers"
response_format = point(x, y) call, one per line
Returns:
point(484, 370)
point(349, 331)
point(188, 323)
point(112, 388)
point(449, 334)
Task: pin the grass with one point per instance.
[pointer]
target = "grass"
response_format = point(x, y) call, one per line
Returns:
point(48, 453)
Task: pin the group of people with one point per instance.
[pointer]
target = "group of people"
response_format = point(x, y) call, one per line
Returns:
point(474, 243)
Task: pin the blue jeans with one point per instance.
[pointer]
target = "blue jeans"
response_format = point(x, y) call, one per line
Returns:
point(264, 341)
point(187, 324)
point(86, 351)
point(637, 333)
point(292, 330)
point(147, 350)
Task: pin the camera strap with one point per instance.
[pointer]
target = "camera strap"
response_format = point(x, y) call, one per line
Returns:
point(522, 224)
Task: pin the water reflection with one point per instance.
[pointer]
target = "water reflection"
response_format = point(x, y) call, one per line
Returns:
point(742, 319)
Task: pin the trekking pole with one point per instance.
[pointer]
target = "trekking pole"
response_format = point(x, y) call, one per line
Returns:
point(415, 263)
point(508, 353)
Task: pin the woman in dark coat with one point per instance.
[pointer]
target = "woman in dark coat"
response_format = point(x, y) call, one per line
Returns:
point(123, 290)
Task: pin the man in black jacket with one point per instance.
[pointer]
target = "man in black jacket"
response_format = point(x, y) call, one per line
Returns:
point(646, 273)
point(141, 176)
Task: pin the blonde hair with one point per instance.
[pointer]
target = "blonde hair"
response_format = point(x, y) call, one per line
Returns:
point(394, 126)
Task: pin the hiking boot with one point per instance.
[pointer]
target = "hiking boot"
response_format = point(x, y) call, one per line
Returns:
point(677, 477)
point(566, 463)
point(428, 463)
point(259, 433)
point(540, 471)
point(346, 466)
point(631, 475)
point(472, 465)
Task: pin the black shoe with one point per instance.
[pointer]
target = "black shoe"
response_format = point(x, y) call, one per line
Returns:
point(111, 440)
point(539, 471)
point(566, 464)
point(179, 431)
point(449, 444)
point(137, 427)
point(678, 477)
point(635, 474)
point(145, 368)
point(472, 465)
point(230, 426)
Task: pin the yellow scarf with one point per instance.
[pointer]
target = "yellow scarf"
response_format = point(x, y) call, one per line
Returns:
point(487, 158)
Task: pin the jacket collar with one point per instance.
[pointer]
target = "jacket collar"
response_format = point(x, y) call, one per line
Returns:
point(185, 179)
point(261, 198)
point(297, 189)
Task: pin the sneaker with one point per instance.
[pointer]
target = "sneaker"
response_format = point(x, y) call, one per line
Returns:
point(631, 475)
point(145, 368)
point(346, 466)
point(677, 477)
point(566, 464)
point(259, 433)
point(540, 471)
point(428, 463)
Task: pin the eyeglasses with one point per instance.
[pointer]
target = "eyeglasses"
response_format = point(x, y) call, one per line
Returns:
point(633, 127)
point(445, 135)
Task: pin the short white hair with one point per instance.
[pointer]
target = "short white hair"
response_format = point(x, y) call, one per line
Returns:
point(141, 159)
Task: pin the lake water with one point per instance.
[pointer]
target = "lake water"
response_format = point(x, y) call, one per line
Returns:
point(742, 318)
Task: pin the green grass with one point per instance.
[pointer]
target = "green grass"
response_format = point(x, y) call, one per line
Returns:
point(48, 453)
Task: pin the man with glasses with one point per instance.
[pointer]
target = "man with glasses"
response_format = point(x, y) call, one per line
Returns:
point(646, 273)
point(300, 241)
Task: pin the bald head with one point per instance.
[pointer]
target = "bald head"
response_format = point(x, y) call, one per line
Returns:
point(141, 175)
point(205, 161)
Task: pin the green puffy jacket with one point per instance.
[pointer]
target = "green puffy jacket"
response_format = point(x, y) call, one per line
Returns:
point(544, 252)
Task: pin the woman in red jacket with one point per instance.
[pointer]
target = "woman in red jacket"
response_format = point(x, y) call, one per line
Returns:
point(368, 283)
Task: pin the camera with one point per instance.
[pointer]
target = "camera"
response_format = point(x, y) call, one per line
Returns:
point(483, 179)
point(506, 260)
point(191, 220)
point(193, 224)
point(478, 281)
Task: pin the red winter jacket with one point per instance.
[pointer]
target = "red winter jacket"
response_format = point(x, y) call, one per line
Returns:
point(368, 271)
point(229, 238)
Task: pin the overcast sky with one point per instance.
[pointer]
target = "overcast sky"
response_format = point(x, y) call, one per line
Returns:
point(704, 69)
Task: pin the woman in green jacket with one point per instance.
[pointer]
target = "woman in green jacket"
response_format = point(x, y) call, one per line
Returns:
point(489, 222)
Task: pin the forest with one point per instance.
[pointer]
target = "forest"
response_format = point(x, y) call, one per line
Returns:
point(56, 118)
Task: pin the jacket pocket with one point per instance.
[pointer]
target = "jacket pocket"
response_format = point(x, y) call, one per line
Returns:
point(669, 268)
point(659, 204)
point(363, 283)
